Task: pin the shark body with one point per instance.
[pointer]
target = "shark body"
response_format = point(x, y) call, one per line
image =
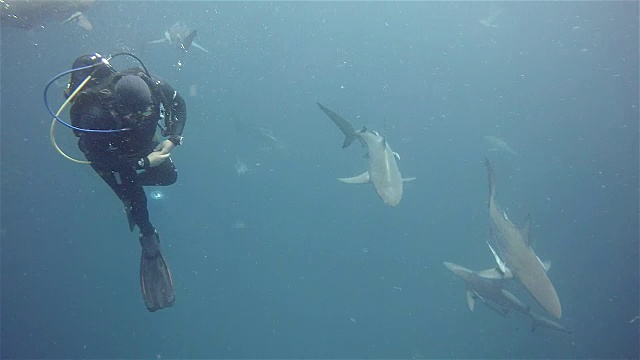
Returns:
point(181, 36)
point(383, 168)
point(29, 14)
point(488, 286)
point(518, 256)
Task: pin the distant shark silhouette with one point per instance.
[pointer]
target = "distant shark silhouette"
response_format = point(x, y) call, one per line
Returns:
point(383, 169)
point(489, 21)
point(241, 167)
point(32, 14)
point(499, 144)
point(181, 35)
point(519, 260)
point(260, 135)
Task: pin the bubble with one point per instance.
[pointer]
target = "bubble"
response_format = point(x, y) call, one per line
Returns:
point(157, 195)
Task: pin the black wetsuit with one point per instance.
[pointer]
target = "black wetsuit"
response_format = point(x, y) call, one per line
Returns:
point(118, 157)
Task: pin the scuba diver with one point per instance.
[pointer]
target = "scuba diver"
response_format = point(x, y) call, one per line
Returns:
point(114, 116)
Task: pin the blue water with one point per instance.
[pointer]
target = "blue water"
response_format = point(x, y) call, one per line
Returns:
point(286, 262)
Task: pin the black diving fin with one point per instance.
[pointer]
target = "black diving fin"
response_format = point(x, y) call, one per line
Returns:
point(155, 278)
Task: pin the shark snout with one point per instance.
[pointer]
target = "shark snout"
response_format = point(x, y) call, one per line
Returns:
point(457, 269)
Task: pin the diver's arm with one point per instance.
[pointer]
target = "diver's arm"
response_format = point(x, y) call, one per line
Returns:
point(175, 123)
point(97, 146)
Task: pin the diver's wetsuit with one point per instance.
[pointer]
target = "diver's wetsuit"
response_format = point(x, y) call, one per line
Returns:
point(118, 156)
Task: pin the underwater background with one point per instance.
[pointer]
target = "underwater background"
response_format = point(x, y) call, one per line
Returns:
point(270, 255)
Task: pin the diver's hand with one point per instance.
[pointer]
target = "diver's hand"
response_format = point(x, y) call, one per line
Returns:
point(165, 147)
point(157, 157)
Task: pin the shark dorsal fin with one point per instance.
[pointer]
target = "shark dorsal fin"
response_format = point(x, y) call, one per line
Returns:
point(364, 129)
point(526, 229)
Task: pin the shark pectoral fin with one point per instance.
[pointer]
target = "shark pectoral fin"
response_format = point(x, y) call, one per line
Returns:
point(360, 179)
point(526, 229)
point(491, 274)
point(409, 179)
point(72, 17)
point(196, 45)
point(396, 155)
point(84, 22)
point(501, 265)
point(157, 41)
point(80, 19)
point(188, 40)
point(545, 264)
point(471, 300)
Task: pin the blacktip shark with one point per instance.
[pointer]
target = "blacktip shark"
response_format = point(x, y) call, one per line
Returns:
point(181, 35)
point(499, 144)
point(27, 15)
point(519, 260)
point(383, 169)
point(488, 286)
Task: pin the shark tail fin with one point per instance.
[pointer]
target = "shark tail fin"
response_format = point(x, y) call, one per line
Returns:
point(186, 44)
point(348, 139)
point(526, 230)
point(491, 176)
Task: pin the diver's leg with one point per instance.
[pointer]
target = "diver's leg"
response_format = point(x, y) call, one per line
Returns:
point(161, 175)
point(124, 183)
point(155, 277)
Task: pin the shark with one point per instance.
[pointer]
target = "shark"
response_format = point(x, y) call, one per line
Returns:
point(258, 133)
point(499, 144)
point(519, 260)
point(383, 167)
point(28, 15)
point(181, 35)
point(539, 321)
point(488, 286)
point(241, 167)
